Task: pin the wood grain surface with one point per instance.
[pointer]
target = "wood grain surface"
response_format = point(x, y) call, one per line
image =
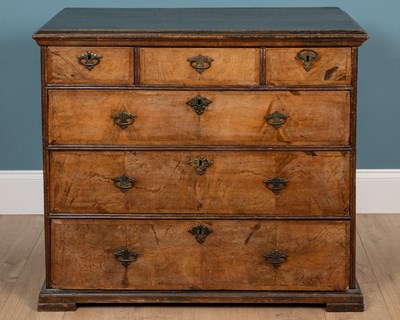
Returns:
point(332, 68)
point(169, 66)
point(81, 181)
point(165, 118)
point(230, 258)
point(378, 239)
point(115, 67)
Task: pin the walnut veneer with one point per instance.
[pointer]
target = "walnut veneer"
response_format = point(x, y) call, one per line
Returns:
point(200, 156)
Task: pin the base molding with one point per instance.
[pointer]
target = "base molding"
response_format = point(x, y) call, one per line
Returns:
point(49, 307)
point(344, 307)
point(67, 300)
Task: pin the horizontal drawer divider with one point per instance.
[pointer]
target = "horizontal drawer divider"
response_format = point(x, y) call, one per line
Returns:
point(197, 147)
point(207, 88)
point(150, 216)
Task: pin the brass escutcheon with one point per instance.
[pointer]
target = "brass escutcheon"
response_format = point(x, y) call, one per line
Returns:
point(124, 182)
point(200, 232)
point(199, 104)
point(89, 60)
point(123, 119)
point(125, 256)
point(200, 63)
point(200, 164)
point(276, 258)
point(276, 184)
point(307, 56)
point(276, 119)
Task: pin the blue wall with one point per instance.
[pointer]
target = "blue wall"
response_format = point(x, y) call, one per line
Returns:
point(379, 110)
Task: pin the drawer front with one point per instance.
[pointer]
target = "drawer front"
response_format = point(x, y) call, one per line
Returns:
point(89, 65)
point(235, 255)
point(207, 182)
point(308, 66)
point(199, 66)
point(199, 117)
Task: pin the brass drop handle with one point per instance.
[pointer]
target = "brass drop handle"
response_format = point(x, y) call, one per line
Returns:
point(124, 182)
point(307, 56)
point(126, 256)
point(200, 232)
point(200, 63)
point(276, 184)
point(89, 60)
point(276, 119)
point(123, 119)
point(276, 258)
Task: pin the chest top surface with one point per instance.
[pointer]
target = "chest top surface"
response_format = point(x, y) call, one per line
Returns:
point(203, 19)
point(247, 23)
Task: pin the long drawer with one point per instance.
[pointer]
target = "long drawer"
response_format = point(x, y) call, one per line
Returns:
point(207, 182)
point(148, 117)
point(200, 255)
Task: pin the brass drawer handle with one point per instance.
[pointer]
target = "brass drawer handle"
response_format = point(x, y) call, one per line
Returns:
point(276, 119)
point(89, 60)
point(200, 63)
point(200, 164)
point(276, 184)
point(307, 56)
point(124, 182)
point(276, 258)
point(199, 104)
point(125, 256)
point(200, 232)
point(123, 119)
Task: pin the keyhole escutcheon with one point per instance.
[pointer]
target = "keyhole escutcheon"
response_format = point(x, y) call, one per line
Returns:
point(308, 57)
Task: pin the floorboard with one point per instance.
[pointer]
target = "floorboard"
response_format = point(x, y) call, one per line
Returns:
point(380, 235)
point(17, 238)
point(375, 307)
point(22, 301)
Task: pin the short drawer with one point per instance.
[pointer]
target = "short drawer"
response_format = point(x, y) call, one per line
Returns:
point(200, 255)
point(147, 117)
point(200, 182)
point(199, 66)
point(308, 66)
point(89, 65)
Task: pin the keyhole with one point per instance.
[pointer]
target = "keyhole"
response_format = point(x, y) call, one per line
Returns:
point(89, 57)
point(200, 163)
point(308, 58)
point(200, 231)
point(199, 102)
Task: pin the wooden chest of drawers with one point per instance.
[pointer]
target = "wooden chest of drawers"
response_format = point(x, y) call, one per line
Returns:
point(200, 156)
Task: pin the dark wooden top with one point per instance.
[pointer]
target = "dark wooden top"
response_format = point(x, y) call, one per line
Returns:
point(203, 19)
point(256, 23)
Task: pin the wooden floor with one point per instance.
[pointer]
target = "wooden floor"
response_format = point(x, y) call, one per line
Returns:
point(22, 275)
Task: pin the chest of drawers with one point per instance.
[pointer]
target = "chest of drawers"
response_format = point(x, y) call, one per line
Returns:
point(200, 156)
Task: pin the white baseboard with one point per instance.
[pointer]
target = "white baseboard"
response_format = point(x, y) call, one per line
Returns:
point(21, 192)
point(378, 191)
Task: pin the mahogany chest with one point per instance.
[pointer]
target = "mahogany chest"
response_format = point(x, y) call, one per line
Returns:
point(200, 156)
